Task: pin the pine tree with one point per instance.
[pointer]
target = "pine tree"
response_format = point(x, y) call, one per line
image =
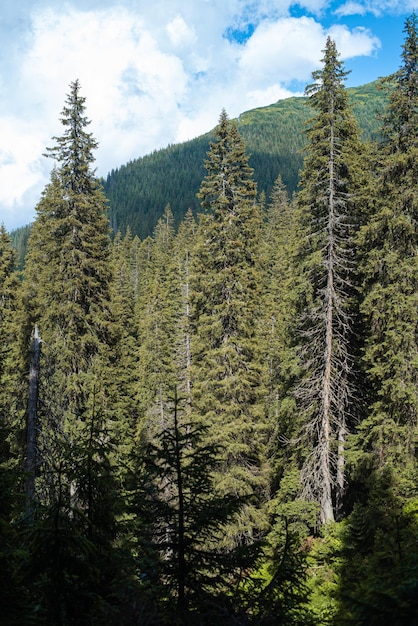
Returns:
point(325, 227)
point(226, 294)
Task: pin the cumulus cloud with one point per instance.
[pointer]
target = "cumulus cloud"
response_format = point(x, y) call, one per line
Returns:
point(281, 41)
point(376, 7)
point(358, 42)
point(351, 8)
point(151, 76)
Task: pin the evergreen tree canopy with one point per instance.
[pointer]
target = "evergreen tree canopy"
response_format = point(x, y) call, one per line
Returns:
point(389, 266)
point(67, 271)
point(326, 223)
point(401, 118)
point(66, 283)
point(226, 294)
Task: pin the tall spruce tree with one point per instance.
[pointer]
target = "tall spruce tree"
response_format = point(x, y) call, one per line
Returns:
point(382, 530)
point(122, 389)
point(388, 244)
point(326, 224)
point(12, 398)
point(157, 310)
point(226, 294)
point(67, 273)
point(183, 247)
point(67, 293)
point(280, 312)
point(12, 361)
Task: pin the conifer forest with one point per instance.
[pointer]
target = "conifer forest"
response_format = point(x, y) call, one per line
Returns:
point(216, 423)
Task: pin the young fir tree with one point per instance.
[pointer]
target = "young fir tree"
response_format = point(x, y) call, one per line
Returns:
point(226, 294)
point(183, 247)
point(325, 226)
point(280, 311)
point(186, 572)
point(157, 311)
point(125, 352)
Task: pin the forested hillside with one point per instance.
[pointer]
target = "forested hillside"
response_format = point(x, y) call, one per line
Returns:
point(139, 191)
point(217, 423)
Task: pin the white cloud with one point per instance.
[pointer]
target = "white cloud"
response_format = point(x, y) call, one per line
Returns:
point(358, 42)
point(261, 97)
point(351, 8)
point(180, 34)
point(275, 52)
point(376, 7)
point(22, 168)
point(314, 6)
point(151, 76)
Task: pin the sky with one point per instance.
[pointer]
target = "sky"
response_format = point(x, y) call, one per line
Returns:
point(160, 72)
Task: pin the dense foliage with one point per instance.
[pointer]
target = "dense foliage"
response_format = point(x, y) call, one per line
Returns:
point(216, 421)
point(274, 135)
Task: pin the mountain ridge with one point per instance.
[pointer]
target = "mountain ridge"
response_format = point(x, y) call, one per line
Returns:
point(139, 190)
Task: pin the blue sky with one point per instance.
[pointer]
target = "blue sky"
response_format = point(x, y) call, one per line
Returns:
point(160, 72)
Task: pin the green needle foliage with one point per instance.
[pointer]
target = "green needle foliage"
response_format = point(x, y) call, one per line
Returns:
point(71, 526)
point(180, 521)
point(388, 243)
point(226, 303)
point(283, 488)
point(67, 272)
point(381, 584)
point(325, 225)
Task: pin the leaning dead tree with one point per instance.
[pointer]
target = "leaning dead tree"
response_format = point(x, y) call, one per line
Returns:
point(32, 418)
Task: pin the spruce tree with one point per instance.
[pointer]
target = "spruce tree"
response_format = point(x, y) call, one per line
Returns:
point(67, 294)
point(389, 268)
point(67, 272)
point(280, 310)
point(12, 362)
point(179, 524)
point(325, 226)
point(183, 250)
point(157, 310)
point(124, 363)
point(12, 399)
point(226, 293)
point(382, 530)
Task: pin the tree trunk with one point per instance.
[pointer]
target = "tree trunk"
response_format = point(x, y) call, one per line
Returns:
point(32, 426)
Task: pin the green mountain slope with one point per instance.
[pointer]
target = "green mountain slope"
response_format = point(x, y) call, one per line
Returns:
point(139, 191)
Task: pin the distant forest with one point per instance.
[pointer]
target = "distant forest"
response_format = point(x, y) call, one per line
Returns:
point(209, 372)
point(139, 191)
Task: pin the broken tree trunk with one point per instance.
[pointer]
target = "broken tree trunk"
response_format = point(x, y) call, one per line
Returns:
point(31, 425)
